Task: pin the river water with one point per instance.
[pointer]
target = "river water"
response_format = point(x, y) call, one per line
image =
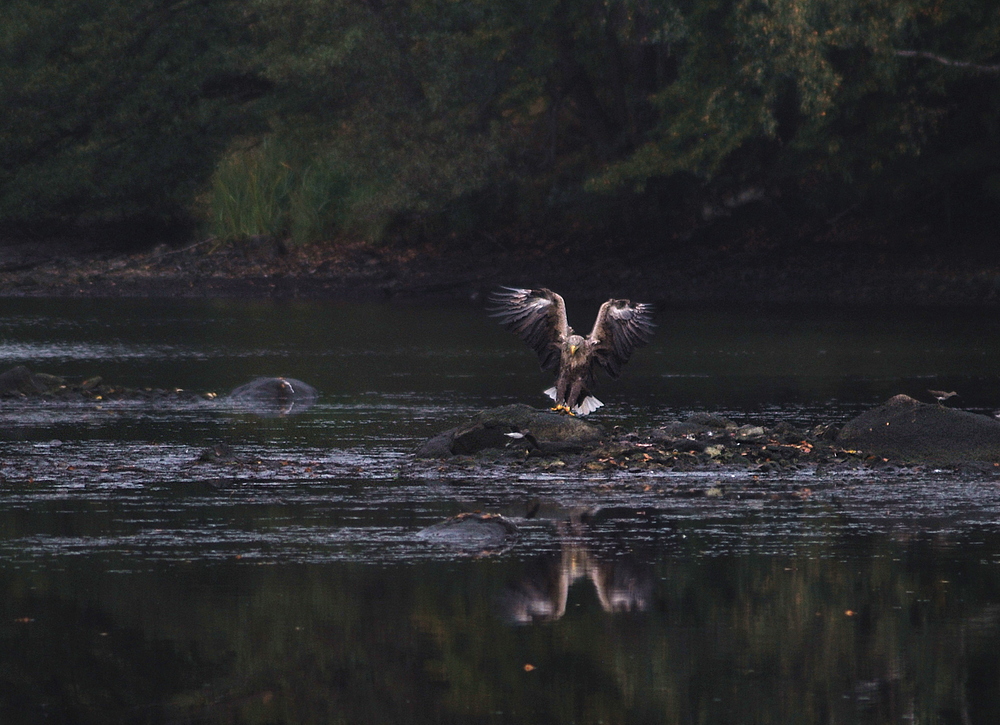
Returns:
point(138, 585)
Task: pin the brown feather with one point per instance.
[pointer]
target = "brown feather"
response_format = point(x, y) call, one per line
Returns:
point(620, 328)
point(538, 317)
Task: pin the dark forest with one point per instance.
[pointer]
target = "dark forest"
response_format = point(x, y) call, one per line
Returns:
point(309, 120)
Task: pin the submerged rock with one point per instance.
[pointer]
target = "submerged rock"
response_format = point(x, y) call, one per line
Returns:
point(694, 425)
point(527, 428)
point(219, 453)
point(474, 532)
point(907, 430)
point(272, 397)
point(19, 381)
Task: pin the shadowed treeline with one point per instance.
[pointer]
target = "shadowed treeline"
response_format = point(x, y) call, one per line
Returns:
point(312, 120)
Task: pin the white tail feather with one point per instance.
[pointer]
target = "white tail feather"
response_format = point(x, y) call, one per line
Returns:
point(588, 406)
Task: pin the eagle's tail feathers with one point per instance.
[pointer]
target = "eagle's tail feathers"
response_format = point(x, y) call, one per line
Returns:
point(588, 406)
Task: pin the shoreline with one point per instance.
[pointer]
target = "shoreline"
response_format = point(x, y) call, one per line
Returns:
point(264, 268)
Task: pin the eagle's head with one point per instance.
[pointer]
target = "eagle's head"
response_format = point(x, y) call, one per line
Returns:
point(576, 346)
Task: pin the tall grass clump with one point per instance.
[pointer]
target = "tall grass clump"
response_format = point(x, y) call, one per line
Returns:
point(249, 192)
point(278, 189)
point(320, 202)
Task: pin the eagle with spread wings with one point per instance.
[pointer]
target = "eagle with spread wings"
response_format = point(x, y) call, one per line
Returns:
point(538, 316)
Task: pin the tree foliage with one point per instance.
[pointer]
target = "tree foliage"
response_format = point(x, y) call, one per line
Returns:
point(115, 109)
point(443, 116)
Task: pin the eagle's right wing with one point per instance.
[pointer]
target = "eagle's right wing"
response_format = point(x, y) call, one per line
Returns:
point(538, 316)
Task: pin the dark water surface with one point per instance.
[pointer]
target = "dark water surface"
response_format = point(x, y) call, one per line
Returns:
point(140, 586)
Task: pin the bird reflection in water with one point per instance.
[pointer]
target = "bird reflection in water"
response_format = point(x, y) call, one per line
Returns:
point(620, 584)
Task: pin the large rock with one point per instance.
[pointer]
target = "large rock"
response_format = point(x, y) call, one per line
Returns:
point(273, 397)
point(533, 429)
point(907, 430)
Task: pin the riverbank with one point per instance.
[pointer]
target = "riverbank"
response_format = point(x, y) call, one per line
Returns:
point(864, 266)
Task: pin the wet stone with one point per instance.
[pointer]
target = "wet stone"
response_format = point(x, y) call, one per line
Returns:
point(749, 433)
point(710, 420)
point(515, 428)
point(275, 396)
point(20, 382)
point(480, 533)
point(219, 453)
point(494, 438)
point(907, 430)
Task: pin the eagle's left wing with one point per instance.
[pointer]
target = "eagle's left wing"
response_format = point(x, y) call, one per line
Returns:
point(620, 328)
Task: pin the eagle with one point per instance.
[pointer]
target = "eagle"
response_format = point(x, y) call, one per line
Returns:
point(538, 316)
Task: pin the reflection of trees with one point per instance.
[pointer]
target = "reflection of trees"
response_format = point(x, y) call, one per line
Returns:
point(541, 594)
point(901, 631)
point(63, 660)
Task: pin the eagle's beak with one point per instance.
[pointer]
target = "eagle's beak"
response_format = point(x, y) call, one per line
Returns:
point(572, 349)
